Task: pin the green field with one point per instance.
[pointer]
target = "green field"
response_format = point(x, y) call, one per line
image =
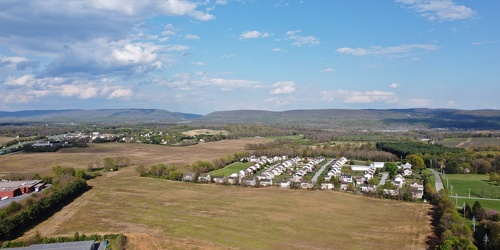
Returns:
point(231, 168)
point(478, 185)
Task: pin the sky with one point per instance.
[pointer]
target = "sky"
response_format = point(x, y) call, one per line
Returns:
point(215, 55)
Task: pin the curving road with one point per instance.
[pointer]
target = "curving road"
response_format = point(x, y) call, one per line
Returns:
point(315, 178)
point(439, 183)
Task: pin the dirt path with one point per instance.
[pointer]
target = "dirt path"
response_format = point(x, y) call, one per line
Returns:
point(463, 143)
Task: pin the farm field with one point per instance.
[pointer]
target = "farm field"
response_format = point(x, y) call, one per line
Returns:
point(204, 132)
point(146, 154)
point(159, 214)
point(4, 139)
point(479, 187)
point(467, 142)
point(231, 168)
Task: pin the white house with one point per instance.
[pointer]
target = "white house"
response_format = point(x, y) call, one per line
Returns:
point(327, 186)
point(398, 181)
point(378, 164)
point(285, 184)
point(417, 190)
point(266, 182)
point(204, 178)
point(306, 184)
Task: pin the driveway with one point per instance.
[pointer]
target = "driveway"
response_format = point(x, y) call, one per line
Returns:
point(384, 177)
point(439, 182)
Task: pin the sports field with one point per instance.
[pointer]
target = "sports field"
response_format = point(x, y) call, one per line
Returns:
point(159, 214)
point(477, 185)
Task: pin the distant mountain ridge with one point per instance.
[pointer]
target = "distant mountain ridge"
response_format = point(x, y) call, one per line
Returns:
point(370, 119)
point(102, 115)
point(388, 119)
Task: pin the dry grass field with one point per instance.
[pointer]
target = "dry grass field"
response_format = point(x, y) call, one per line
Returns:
point(4, 139)
point(24, 163)
point(159, 214)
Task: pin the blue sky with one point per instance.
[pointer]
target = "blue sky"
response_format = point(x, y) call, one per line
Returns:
point(212, 55)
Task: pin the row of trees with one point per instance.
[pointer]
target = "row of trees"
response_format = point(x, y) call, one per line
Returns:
point(300, 148)
point(14, 224)
point(402, 149)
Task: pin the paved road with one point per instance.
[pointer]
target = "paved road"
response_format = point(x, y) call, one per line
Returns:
point(315, 178)
point(439, 182)
point(384, 177)
point(475, 198)
point(19, 198)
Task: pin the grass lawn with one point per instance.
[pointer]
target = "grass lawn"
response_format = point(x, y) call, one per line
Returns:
point(478, 184)
point(159, 214)
point(487, 204)
point(231, 168)
point(286, 137)
point(479, 187)
point(432, 177)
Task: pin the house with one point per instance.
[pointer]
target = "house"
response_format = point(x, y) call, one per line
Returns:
point(188, 176)
point(249, 182)
point(204, 178)
point(405, 166)
point(344, 185)
point(367, 188)
point(327, 185)
point(398, 181)
point(306, 184)
point(219, 179)
point(417, 190)
point(407, 172)
point(285, 183)
point(378, 164)
point(266, 182)
point(345, 178)
point(232, 180)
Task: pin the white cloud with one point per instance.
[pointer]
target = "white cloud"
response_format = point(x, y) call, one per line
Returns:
point(285, 87)
point(394, 85)
point(221, 2)
point(328, 96)
point(106, 57)
point(191, 37)
point(327, 70)
point(229, 84)
point(253, 34)
point(299, 41)
point(15, 63)
point(279, 50)
point(26, 80)
point(442, 10)
point(367, 96)
point(199, 63)
point(120, 93)
point(190, 81)
point(389, 51)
